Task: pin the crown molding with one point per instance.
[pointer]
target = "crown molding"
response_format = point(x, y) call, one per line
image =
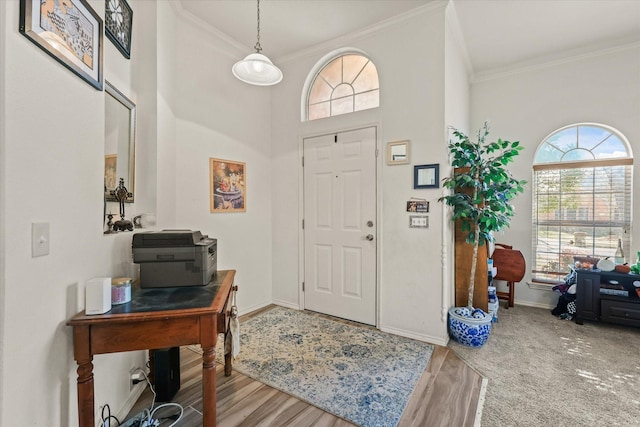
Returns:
point(346, 39)
point(552, 61)
point(235, 48)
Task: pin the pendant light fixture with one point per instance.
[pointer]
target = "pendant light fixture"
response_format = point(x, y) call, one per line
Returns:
point(256, 68)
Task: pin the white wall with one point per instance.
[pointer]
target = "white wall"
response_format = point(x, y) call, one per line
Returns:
point(457, 76)
point(190, 108)
point(52, 171)
point(52, 164)
point(456, 109)
point(148, 44)
point(221, 117)
point(411, 99)
point(529, 104)
point(186, 114)
point(2, 203)
point(166, 139)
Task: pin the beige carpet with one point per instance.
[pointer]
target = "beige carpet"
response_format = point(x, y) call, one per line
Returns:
point(544, 371)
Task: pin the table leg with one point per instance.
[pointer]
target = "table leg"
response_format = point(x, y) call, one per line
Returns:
point(86, 409)
point(512, 293)
point(209, 386)
point(82, 355)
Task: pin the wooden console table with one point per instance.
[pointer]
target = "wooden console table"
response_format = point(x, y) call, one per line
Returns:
point(157, 318)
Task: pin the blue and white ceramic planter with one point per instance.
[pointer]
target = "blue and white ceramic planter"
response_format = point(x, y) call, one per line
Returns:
point(469, 328)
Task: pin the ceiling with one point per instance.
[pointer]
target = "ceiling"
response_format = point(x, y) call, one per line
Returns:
point(498, 33)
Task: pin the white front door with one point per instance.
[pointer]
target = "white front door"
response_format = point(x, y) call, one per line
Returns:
point(340, 224)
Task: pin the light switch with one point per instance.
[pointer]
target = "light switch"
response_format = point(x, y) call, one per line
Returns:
point(39, 239)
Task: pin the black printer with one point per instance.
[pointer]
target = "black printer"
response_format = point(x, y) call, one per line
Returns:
point(170, 258)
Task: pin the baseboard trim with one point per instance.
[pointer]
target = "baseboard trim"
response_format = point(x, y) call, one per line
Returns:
point(287, 304)
point(401, 332)
point(135, 394)
point(253, 308)
point(534, 304)
point(407, 334)
point(477, 422)
point(548, 287)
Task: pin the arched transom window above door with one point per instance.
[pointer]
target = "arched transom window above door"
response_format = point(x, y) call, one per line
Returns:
point(345, 84)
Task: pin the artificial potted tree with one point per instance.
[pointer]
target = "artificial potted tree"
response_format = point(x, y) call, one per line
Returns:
point(482, 188)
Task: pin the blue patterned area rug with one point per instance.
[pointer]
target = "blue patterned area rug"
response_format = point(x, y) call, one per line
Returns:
point(362, 375)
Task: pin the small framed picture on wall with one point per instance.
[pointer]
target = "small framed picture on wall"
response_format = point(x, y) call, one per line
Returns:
point(426, 176)
point(118, 19)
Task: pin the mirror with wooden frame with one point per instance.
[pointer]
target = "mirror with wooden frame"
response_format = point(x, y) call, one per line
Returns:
point(398, 153)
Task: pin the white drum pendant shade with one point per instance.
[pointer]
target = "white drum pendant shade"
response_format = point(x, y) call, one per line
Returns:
point(257, 69)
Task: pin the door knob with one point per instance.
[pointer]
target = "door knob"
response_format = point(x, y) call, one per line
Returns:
point(369, 223)
point(369, 237)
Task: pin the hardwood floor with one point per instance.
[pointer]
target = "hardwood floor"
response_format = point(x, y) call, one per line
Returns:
point(447, 394)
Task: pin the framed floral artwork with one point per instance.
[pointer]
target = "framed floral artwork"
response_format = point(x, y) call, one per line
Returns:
point(227, 186)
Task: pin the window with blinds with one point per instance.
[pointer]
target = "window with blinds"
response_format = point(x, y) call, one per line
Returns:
point(582, 189)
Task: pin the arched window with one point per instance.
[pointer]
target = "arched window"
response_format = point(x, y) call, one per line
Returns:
point(582, 187)
point(345, 84)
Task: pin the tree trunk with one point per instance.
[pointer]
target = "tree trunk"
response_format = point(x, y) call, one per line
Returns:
point(474, 263)
point(476, 243)
point(464, 254)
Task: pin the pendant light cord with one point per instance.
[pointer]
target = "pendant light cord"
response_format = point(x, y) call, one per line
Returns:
point(257, 47)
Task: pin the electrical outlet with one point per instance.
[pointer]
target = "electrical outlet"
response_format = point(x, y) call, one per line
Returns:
point(135, 376)
point(132, 373)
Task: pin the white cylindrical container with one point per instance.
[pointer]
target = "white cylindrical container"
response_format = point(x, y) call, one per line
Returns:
point(120, 290)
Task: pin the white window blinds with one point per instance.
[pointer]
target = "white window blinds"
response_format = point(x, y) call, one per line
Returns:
point(582, 189)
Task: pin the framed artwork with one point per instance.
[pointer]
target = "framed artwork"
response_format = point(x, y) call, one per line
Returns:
point(426, 176)
point(118, 19)
point(227, 186)
point(70, 31)
point(420, 206)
